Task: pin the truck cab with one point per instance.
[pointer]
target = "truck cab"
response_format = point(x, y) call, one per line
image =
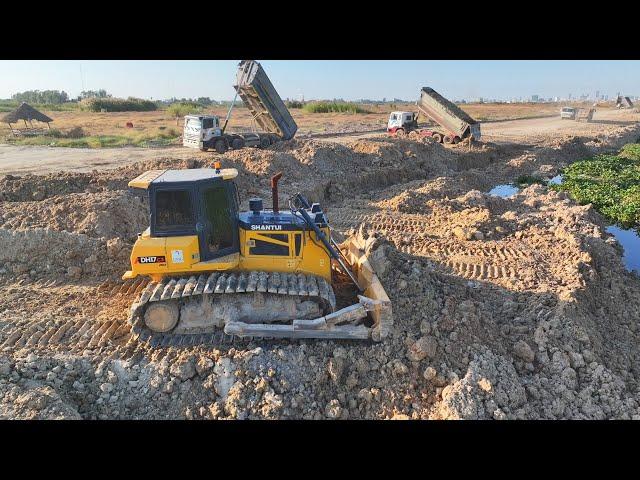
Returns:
point(201, 131)
point(568, 112)
point(401, 122)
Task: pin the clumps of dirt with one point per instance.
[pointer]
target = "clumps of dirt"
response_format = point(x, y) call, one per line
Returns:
point(327, 171)
point(107, 214)
point(40, 252)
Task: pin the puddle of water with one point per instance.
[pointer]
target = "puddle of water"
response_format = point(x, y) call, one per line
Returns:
point(504, 191)
point(557, 180)
point(630, 241)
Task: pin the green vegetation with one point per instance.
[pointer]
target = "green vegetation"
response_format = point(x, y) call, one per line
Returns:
point(180, 109)
point(45, 96)
point(11, 105)
point(525, 180)
point(75, 139)
point(333, 107)
point(293, 104)
point(610, 182)
point(102, 93)
point(118, 105)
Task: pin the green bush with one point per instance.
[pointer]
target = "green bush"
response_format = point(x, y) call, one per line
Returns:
point(333, 107)
point(180, 109)
point(294, 104)
point(118, 105)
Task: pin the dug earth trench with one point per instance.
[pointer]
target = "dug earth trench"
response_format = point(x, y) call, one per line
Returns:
point(504, 308)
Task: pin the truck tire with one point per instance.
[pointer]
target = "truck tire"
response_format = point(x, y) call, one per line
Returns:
point(264, 142)
point(437, 137)
point(237, 144)
point(220, 146)
point(456, 140)
point(400, 132)
point(447, 139)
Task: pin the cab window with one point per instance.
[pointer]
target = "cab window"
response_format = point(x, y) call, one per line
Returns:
point(173, 209)
point(207, 123)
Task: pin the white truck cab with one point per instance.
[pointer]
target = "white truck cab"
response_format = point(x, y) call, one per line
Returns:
point(404, 121)
point(200, 130)
point(568, 112)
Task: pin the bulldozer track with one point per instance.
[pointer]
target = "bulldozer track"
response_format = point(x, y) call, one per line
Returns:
point(220, 283)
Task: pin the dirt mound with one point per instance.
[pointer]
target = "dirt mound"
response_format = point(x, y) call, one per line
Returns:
point(109, 214)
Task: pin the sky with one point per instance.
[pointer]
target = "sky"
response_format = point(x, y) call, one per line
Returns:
point(326, 79)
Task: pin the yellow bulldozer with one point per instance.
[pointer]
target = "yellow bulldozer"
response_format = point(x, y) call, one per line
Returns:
point(258, 273)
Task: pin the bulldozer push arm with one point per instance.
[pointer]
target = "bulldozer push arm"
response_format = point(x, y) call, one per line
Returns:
point(334, 252)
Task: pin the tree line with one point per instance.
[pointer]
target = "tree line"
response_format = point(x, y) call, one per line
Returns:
point(45, 96)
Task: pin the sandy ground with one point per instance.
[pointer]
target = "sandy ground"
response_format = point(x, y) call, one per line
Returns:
point(504, 308)
point(40, 160)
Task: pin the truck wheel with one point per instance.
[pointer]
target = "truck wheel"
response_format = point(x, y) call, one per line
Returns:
point(220, 146)
point(400, 132)
point(447, 139)
point(237, 144)
point(264, 142)
point(437, 137)
point(456, 140)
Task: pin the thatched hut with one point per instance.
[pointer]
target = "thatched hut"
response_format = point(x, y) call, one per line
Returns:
point(26, 113)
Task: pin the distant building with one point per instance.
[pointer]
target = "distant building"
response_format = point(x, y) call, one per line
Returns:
point(534, 98)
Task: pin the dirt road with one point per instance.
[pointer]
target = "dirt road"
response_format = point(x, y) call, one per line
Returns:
point(20, 160)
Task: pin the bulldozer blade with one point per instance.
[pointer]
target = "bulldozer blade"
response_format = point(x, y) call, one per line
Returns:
point(323, 327)
point(375, 299)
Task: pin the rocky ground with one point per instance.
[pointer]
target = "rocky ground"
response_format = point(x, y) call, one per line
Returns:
point(503, 308)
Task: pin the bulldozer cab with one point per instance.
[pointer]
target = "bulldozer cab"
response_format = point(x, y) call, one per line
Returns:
point(202, 202)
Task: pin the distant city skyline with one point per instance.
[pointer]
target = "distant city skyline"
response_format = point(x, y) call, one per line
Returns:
point(348, 80)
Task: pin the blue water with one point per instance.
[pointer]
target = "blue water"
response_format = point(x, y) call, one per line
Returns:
point(557, 180)
point(504, 191)
point(630, 241)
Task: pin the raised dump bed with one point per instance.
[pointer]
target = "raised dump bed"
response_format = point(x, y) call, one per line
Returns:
point(262, 99)
point(447, 114)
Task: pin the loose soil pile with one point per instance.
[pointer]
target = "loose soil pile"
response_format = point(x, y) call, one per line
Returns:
point(503, 308)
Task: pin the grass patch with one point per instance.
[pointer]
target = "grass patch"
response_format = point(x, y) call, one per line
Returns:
point(610, 182)
point(72, 139)
point(334, 107)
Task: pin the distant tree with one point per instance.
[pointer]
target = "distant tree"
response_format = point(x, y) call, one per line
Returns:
point(102, 93)
point(180, 109)
point(204, 101)
point(37, 96)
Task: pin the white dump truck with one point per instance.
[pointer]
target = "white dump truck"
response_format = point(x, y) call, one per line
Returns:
point(568, 113)
point(452, 124)
point(267, 109)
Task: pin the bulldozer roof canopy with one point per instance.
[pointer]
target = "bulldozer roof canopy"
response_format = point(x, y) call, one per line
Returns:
point(25, 112)
point(188, 175)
